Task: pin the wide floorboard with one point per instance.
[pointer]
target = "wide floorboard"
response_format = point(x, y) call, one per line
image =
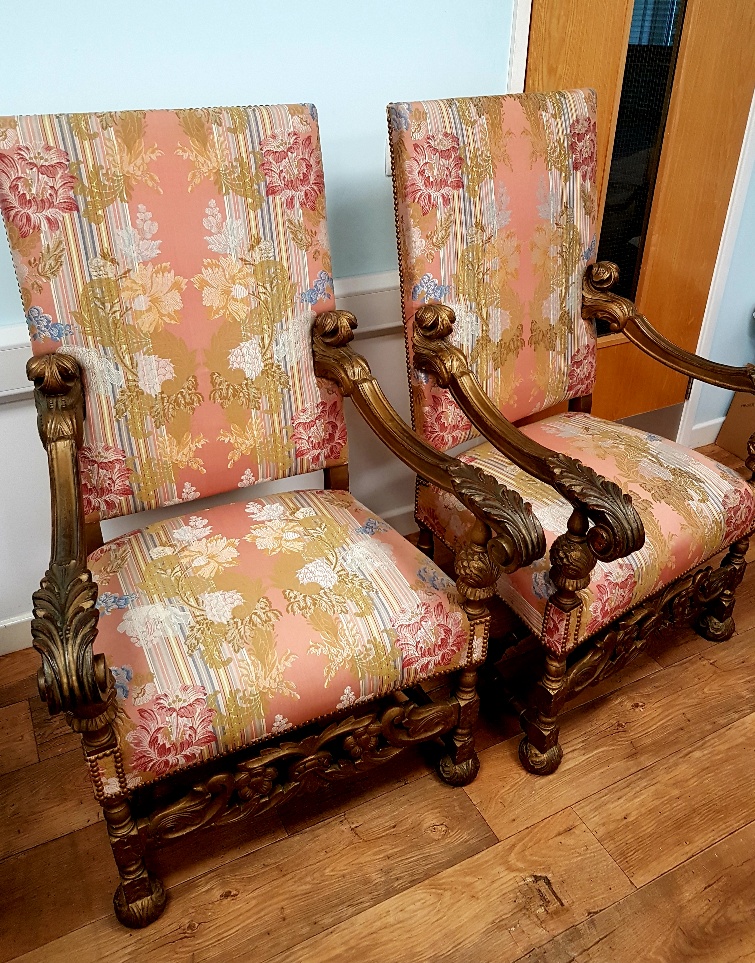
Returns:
point(640, 847)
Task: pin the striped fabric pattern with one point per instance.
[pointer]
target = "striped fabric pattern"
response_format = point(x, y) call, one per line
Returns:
point(691, 508)
point(495, 216)
point(180, 257)
point(247, 620)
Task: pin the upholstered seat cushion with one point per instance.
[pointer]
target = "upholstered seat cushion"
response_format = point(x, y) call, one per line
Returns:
point(691, 507)
point(246, 620)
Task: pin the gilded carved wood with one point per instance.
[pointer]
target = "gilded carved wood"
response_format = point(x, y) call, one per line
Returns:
point(316, 762)
point(76, 681)
point(617, 529)
point(72, 679)
point(519, 538)
point(598, 301)
point(604, 524)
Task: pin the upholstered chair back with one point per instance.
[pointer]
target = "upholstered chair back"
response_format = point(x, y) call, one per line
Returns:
point(495, 215)
point(179, 256)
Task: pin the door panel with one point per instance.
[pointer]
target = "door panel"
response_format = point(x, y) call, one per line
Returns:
point(710, 101)
point(584, 44)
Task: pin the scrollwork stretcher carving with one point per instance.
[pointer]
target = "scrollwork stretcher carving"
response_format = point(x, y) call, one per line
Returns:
point(628, 636)
point(340, 751)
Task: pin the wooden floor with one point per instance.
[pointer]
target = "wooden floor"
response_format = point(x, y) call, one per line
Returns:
point(640, 848)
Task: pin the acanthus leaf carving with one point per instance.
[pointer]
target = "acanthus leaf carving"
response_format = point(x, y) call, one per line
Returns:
point(64, 628)
point(618, 530)
point(520, 539)
point(262, 783)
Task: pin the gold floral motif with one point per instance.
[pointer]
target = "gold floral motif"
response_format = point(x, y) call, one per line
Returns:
point(341, 645)
point(128, 160)
point(155, 294)
point(210, 157)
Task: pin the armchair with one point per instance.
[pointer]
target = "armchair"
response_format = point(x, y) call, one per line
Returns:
point(175, 275)
point(495, 206)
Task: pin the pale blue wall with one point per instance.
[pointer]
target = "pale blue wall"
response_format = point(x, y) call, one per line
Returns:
point(349, 57)
point(734, 340)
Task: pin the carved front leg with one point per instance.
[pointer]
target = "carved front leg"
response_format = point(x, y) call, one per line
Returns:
point(476, 575)
point(140, 897)
point(717, 621)
point(572, 561)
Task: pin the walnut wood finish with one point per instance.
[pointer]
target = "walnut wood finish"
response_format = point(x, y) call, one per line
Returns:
point(598, 301)
point(519, 538)
point(75, 681)
point(616, 529)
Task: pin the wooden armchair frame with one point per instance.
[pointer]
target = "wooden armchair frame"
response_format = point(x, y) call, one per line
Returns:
point(74, 680)
point(604, 524)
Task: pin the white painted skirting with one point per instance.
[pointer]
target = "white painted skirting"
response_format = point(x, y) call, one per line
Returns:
point(15, 634)
point(14, 353)
point(688, 428)
point(704, 433)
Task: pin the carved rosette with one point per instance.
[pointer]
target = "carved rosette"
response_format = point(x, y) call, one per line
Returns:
point(332, 333)
point(598, 301)
point(432, 350)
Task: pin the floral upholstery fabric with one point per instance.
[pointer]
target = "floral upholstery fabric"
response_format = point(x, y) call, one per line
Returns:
point(495, 216)
point(179, 256)
point(691, 507)
point(246, 620)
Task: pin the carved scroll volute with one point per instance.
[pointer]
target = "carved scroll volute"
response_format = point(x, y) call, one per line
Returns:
point(72, 679)
point(617, 530)
point(433, 352)
point(599, 302)
point(332, 332)
point(519, 538)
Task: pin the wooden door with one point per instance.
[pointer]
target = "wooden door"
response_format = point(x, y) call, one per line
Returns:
point(563, 53)
point(710, 99)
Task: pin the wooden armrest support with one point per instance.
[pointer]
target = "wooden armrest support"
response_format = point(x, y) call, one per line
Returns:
point(617, 529)
point(519, 538)
point(598, 301)
point(72, 679)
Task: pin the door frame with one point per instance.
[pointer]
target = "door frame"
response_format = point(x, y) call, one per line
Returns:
point(519, 45)
point(690, 433)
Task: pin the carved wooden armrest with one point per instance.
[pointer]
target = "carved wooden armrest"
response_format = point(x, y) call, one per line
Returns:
point(617, 529)
point(598, 301)
point(71, 679)
point(518, 540)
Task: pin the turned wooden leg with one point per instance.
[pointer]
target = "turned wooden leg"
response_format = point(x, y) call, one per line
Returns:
point(140, 898)
point(717, 622)
point(539, 751)
point(460, 764)
point(426, 541)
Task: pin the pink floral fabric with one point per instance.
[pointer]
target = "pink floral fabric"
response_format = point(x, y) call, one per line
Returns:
point(496, 201)
point(180, 257)
point(691, 508)
point(250, 619)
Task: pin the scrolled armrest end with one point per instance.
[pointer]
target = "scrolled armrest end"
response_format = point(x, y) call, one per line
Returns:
point(617, 529)
point(519, 538)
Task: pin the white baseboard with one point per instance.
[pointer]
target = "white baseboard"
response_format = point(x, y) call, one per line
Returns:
point(15, 634)
point(14, 353)
point(705, 433)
